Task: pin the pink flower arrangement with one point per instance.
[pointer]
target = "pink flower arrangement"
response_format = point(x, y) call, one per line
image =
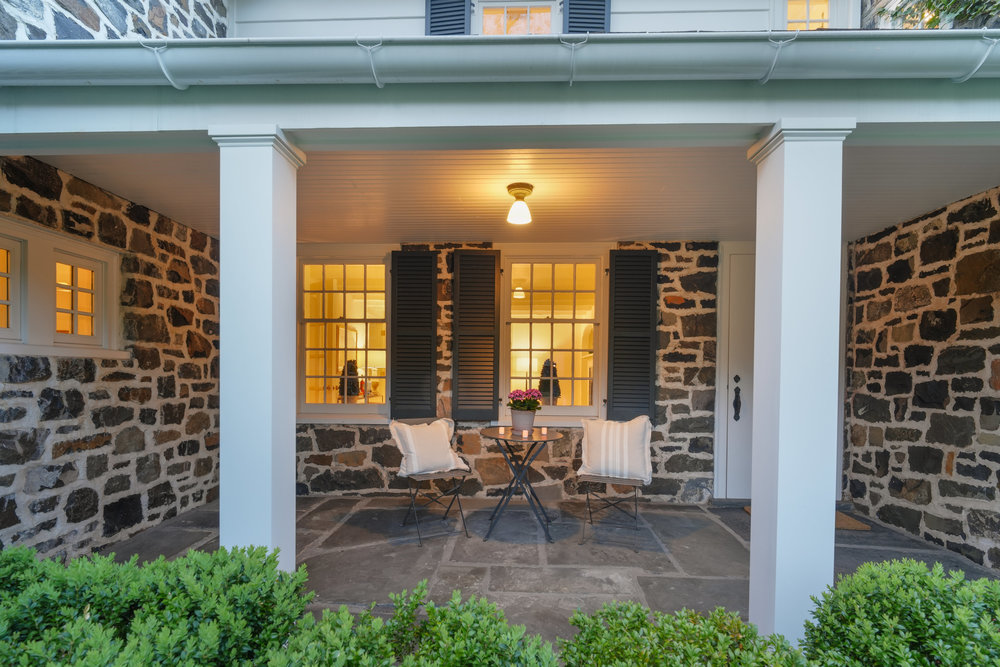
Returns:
point(524, 400)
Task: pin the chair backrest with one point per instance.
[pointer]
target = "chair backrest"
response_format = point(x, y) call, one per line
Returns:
point(426, 447)
point(617, 449)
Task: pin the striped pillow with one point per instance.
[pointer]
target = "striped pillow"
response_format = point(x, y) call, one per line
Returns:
point(426, 447)
point(617, 449)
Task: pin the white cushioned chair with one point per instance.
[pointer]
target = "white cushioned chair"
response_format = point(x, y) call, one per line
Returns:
point(616, 453)
point(427, 456)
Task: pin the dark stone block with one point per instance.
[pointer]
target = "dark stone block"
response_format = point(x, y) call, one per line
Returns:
point(984, 523)
point(388, 456)
point(122, 514)
point(136, 213)
point(979, 473)
point(328, 439)
point(933, 394)
point(966, 384)
point(81, 504)
point(55, 404)
point(203, 466)
point(701, 325)
point(8, 512)
point(951, 430)
point(881, 463)
point(372, 436)
point(951, 527)
point(180, 317)
point(899, 271)
point(148, 468)
point(146, 328)
point(916, 491)
point(938, 325)
point(212, 287)
point(17, 370)
point(925, 459)
point(981, 209)
point(701, 445)
point(117, 484)
point(111, 230)
point(97, 465)
point(871, 409)
point(874, 255)
point(964, 404)
point(130, 440)
point(189, 371)
point(686, 463)
point(918, 355)
point(188, 448)
point(857, 488)
point(987, 334)
point(949, 488)
point(203, 266)
point(868, 280)
point(699, 282)
point(112, 415)
point(8, 415)
point(898, 382)
point(967, 550)
point(904, 517)
point(979, 309)
point(173, 413)
point(978, 273)
point(198, 346)
point(29, 173)
point(940, 247)
point(160, 495)
point(19, 447)
point(692, 425)
point(137, 293)
point(46, 505)
point(178, 272)
point(961, 360)
point(350, 479)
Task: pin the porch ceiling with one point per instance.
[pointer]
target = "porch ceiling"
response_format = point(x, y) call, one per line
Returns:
point(581, 194)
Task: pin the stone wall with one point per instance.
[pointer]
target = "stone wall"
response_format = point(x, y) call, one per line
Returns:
point(353, 459)
point(924, 376)
point(93, 450)
point(112, 19)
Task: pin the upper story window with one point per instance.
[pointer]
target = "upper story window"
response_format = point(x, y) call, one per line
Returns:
point(343, 337)
point(553, 333)
point(524, 18)
point(9, 289)
point(808, 14)
point(76, 298)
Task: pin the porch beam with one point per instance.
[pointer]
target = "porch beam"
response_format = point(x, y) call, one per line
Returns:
point(258, 169)
point(796, 362)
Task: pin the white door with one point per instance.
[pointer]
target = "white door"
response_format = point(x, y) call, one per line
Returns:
point(736, 370)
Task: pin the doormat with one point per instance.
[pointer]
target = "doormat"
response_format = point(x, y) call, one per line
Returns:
point(844, 522)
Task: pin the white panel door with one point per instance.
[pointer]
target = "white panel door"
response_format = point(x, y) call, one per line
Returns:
point(737, 375)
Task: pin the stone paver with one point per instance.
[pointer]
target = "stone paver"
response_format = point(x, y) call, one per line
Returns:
point(358, 552)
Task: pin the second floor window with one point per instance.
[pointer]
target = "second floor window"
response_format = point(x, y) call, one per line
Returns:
point(76, 291)
point(516, 19)
point(6, 280)
point(808, 14)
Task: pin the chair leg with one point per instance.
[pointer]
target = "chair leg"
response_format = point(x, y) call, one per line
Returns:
point(635, 513)
point(461, 513)
point(413, 509)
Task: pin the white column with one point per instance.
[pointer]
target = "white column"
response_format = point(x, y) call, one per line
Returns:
point(796, 362)
point(257, 338)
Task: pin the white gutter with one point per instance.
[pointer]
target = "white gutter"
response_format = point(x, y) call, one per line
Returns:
point(760, 56)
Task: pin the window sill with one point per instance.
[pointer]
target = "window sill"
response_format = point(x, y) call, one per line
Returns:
point(78, 351)
point(345, 419)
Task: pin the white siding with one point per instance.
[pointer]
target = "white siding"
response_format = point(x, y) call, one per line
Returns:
point(685, 15)
point(327, 18)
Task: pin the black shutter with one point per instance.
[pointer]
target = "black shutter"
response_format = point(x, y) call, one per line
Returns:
point(632, 334)
point(587, 16)
point(476, 334)
point(449, 17)
point(413, 335)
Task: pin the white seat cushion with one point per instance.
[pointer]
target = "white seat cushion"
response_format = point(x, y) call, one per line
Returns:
point(426, 447)
point(617, 449)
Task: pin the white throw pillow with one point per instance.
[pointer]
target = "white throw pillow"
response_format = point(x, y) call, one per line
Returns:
point(426, 447)
point(617, 449)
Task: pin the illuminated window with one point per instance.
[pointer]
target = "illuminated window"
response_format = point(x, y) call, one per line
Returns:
point(6, 280)
point(553, 313)
point(808, 14)
point(76, 290)
point(344, 334)
point(511, 19)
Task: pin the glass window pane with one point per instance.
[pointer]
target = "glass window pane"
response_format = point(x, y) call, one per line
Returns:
point(356, 336)
point(376, 336)
point(312, 306)
point(518, 383)
point(819, 10)
point(563, 307)
point(581, 392)
point(333, 308)
point(520, 336)
point(586, 276)
point(334, 363)
point(375, 306)
point(314, 363)
point(314, 390)
point(85, 302)
point(796, 10)
point(64, 298)
point(564, 363)
point(520, 364)
point(585, 306)
point(376, 391)
point(376, 362)
point(312, 276)
point(538, 359)
point(333, 277)
point(520, 276)
point(64, 274)
point(562, 336)
point(541, 304)
point(564, 276)
point(493, 21)
point(64, 323)
point(85, 278)
point(4, 287)
point(355, 277)
point(330, 387)
point(540, 20)
point(336, 335)
point(4, 260)
point(542, 276)
point(541, 336)
point(520, 304)
point(314, 335)
point(584, 338)
point(4, 316)
point(355, 305)
point(375, 277)
point(85, 325)
point(583, 365)
point(517, 20)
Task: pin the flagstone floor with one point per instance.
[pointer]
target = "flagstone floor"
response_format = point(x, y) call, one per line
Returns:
point(357, 552)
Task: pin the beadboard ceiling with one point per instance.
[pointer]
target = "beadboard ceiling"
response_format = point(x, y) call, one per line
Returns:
point(582, 194)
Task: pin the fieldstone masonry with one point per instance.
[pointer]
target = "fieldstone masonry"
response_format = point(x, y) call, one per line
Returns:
point(93, 450)
point(358, 459)
point(112, 19)
point(924, 377)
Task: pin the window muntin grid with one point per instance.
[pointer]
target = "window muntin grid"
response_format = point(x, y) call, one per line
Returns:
point(808, 14)
point(6, 278)
point(344, 336)
point(76, 292)
point(553, 317)
point(517, 20)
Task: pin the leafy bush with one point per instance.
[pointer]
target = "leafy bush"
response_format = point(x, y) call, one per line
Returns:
point(337, 640)
point(225, 608)
point(626, 633)
point(901, 613)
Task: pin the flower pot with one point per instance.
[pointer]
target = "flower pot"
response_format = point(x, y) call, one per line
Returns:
point(522, 419)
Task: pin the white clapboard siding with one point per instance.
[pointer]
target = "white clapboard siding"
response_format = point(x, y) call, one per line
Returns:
point(328, 18)
point(685, 15)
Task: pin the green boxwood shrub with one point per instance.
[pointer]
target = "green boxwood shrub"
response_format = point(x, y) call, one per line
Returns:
point(902, 613)
point(626, 633)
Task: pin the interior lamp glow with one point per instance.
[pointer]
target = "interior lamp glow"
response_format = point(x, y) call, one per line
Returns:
point(519, 213)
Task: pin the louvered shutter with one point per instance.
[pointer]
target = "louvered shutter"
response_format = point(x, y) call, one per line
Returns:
point(587, 16)
point(413, 335)
point(476, 334)
point(632, 334)
point(448, 17)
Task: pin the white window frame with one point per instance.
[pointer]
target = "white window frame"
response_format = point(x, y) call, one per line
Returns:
point(15, 298)
point(551, 415)
point(843, 15)
point(339, 413)
point(555, 6)
point(38, 251)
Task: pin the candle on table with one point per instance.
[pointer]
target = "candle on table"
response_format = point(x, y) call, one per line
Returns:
point(502, 430)
point(524, 433)
point(545, 430)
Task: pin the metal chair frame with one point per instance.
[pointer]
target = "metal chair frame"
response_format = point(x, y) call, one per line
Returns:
point(613, 502)
point(432, 497)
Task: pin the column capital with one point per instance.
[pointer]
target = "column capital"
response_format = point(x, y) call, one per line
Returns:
point(800, 129)
point(229, 136)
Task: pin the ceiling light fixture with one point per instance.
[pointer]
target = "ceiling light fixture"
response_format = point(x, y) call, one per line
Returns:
point(519, 293)
point(519, 213)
